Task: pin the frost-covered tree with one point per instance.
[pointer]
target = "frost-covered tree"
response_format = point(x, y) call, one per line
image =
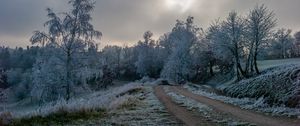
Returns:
point(233, 29)
point(69, 36)
point(297, 43)
point(163, 50)
point(183, 36)
point(203, 60)
point(4, 58)
point(111, 56)
point(48, 80)
point(228, 39)
point(16, 64)
point(145, 59)
point(260, 23)
point(283, 43)
point(3, 79)
point(165, 46)
point(215, 39)
point(128, 58)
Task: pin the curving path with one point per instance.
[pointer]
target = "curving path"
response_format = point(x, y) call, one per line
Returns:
point(236, 112)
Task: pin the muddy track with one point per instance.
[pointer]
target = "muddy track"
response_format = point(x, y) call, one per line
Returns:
point(236, 112)
point(179, 112)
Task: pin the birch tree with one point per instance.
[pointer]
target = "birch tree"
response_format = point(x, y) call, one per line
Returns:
point(72, 33)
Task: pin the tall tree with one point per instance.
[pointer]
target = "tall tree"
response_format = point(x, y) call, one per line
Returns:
point(284, 42)
point(145, 60)
point(227, 37)
point(112, 58)
point(260, 23)
point(233, 28)
point(297, 42)
point(71, 35)
point(183, 36)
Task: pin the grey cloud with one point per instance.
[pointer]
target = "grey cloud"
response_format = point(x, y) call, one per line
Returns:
point(124, 21)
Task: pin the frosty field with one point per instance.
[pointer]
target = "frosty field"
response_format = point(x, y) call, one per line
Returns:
point(149, 63)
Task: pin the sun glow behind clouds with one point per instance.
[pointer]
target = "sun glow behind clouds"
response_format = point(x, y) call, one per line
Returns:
point(180, 5)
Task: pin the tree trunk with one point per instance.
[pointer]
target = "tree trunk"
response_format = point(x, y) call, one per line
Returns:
point(68, 75)
point(69, 58)
point(255, 62)
point(249, 64)
point(252, 64)
point(237, 73)
point(211, 71)
point(239, 68)
point(282, 50)
point(256, 51)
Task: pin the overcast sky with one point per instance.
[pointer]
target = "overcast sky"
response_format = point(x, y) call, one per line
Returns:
point(124, 21)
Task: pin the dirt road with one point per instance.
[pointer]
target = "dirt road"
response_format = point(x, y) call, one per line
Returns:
point(236, 112)
point(180, 112)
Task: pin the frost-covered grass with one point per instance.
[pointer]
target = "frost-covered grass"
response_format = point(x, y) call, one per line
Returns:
point(278, 86)
point(247, 103)
point(190, 104)
point(132, 104)
point(265, 64)
point(204, 110)
point(94, 102)
point(148, 111)
point(220, 81)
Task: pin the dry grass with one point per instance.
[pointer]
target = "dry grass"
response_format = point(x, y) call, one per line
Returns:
point(60, 118)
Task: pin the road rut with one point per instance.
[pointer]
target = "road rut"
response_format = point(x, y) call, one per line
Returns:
point(179, 112)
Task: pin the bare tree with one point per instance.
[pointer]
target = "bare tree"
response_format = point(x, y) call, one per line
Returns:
point(228, 36)
point(260, 23)
point(234, 27)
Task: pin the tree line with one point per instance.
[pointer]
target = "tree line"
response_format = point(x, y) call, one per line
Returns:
point(65, 60)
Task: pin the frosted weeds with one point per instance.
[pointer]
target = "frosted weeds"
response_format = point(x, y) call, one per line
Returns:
point(147, 109)
point(94, 101)
point(277, 89)
point(247, 103)
point(148, 112)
